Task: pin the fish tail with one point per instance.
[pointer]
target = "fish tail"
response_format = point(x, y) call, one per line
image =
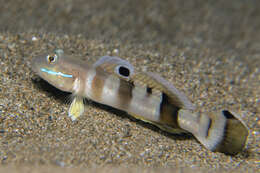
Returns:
point(222, 132)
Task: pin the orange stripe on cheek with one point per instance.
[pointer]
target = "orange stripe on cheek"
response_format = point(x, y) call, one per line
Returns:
point(97, 86)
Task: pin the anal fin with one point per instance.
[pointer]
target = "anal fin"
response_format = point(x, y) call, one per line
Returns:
point(163, 127)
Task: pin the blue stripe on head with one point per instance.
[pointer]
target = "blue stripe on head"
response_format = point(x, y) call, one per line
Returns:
point(56, 73)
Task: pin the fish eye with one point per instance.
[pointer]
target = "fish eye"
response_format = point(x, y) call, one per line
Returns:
point(124, 71)
point(51, 58)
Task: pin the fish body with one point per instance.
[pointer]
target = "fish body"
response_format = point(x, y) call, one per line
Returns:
point(147, 96)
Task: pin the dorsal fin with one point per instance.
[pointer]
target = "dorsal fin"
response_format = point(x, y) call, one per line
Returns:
point(123, 69)
point(154, 81)
point(115, 65)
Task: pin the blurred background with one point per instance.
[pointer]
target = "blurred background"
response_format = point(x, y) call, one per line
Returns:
point(233, 23)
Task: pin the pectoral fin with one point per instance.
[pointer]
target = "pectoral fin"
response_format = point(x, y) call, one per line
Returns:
point(76, 108)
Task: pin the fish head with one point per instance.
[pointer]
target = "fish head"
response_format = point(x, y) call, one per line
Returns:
point(57, 69)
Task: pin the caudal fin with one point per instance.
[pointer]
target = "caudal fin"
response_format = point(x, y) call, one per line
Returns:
point(222, 132)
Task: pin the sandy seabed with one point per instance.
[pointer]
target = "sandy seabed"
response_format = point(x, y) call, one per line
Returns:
point(210, 51)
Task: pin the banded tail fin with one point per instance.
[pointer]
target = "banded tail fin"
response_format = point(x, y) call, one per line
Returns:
point(224, 132)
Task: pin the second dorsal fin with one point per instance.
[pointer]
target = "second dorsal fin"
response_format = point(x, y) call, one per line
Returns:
point(154, 81)
point(124, 70)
